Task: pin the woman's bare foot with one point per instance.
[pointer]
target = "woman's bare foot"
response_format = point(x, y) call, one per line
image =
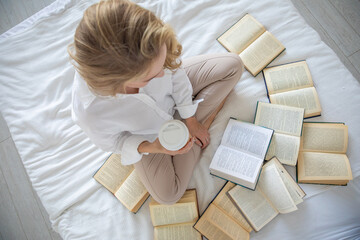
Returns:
point(211, 118)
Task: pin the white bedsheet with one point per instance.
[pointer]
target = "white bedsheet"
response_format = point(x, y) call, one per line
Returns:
point(36, 79)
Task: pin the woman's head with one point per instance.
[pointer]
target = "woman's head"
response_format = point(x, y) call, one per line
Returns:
point(117, 42)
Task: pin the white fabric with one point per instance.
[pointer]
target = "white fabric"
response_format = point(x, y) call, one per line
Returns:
point(36, 79)
point(117, 123)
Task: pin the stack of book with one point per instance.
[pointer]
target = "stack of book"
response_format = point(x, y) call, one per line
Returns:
point(176, 221)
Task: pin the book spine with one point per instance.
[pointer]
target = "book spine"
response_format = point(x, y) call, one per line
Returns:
point(312, 116)
point(302, 124)
point(324, 184)
point(269, 63)
point(235, 182)
point(142, 203)
point(304, 60)
point(257, 181)
point(266, 87)
point(241, 212)
point(210, 203)
point(327, 122)
point(102, 165)
point(269, 143)
point(257, 104)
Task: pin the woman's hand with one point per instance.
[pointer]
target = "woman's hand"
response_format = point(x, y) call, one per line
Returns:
point(156, 147)
point(199, 131)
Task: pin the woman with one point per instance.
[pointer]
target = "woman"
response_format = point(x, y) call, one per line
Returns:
point(129, 81)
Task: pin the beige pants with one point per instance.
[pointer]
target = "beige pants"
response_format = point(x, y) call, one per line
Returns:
point(212, 77)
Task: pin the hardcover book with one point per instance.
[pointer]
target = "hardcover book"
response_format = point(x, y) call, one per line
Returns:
point(256, 46)
point(123, 182)
point(322, 157)
point(292, 85)
point(276, 193)
point(222, 220)
point(176, 221)
point(287, 123)
point(241, 153)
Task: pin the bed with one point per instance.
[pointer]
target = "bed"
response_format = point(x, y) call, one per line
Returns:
point(36, 78)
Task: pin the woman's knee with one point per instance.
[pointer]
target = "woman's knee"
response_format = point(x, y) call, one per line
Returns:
point(166, 200)
point(168, 194)
point(235, 65)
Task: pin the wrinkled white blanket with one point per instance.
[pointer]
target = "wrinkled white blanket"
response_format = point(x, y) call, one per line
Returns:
point(36, 79)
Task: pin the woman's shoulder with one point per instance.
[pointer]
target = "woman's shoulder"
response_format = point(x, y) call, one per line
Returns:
point(81, 92)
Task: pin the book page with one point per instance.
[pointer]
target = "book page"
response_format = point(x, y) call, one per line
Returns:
point(140, 203)
point(177, 232)
point(223, 222)
point(235, 163)
point(285, 148)
point(210, 230)
point(112, 174)
point(254, 206)
point(282, 119)
point(296, 193)
point(324, 166)
point(271, 184)
point(131, 191)
point(288, 77)
point(261, 52)
point(247, 137)
point(171, 214)
point(306, 98)
point(324, 137)
point(188, 196)
point(241, 34)
point(223, 202)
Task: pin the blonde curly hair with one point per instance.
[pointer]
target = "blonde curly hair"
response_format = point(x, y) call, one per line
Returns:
point(116, 42)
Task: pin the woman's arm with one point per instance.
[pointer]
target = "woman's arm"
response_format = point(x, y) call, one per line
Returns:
point(156, 147)
point(182, 94)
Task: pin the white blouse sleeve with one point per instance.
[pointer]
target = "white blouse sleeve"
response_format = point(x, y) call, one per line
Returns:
point(182, 94)
point(127, 146)
point(123, 143)
point(106, 120)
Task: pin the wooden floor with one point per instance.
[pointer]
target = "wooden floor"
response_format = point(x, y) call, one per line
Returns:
point(22, 215)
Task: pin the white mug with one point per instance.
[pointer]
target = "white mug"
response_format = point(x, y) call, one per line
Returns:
point(173, 135)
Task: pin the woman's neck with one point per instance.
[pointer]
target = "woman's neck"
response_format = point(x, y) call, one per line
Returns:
point(132, 90)
point(128, 91)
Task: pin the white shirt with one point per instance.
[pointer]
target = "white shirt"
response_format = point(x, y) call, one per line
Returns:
point(118, 124)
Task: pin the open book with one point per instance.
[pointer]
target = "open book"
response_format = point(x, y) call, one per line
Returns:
point(291, 85)
point(276, 193)
point(256, 46)
point(287, 123)
point(123, 182)
point(322, 157)
point(241, 153)
point(222, 220)
point(176, 221)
